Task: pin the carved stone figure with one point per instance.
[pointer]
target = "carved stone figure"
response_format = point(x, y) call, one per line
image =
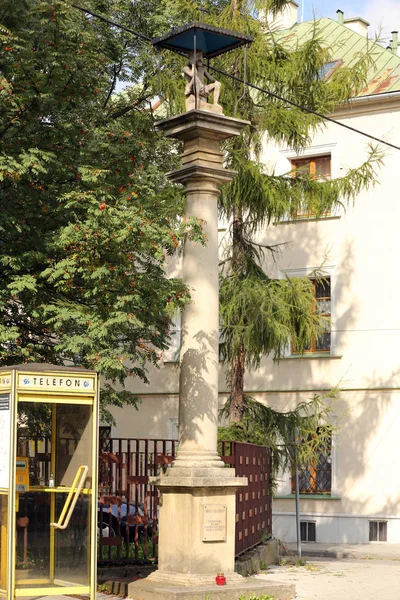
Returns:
point(196, 87)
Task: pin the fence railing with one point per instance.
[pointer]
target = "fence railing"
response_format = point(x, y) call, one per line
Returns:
point(254, 502)
point(128, 504)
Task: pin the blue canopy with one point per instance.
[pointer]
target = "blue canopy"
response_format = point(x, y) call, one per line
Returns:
point(212, 41)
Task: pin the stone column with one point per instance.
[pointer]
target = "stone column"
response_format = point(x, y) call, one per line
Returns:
point(197, 508)
point(202, 173)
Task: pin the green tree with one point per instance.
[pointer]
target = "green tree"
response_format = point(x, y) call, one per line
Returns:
point(87, 214)
point(261, 316)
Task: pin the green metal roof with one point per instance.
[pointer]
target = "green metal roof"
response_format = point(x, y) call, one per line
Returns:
point(346, 45)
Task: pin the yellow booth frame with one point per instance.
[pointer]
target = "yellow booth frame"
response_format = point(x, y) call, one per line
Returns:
point(64, 390)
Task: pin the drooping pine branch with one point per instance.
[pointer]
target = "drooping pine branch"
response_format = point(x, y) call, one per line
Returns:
point(310, 423)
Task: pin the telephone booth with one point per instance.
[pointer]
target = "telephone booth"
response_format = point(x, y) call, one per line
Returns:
point(48, 481)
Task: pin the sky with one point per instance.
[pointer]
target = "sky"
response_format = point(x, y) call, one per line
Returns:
point(383, 15)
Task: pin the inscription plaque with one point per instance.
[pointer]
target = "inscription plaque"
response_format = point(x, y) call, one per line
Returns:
point(214, 523)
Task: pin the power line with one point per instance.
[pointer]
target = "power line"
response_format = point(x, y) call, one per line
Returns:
point(92, 14)
point(252, 85)
point(309, 110)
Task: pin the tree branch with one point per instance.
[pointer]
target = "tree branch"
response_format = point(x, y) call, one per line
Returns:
point(117, 71)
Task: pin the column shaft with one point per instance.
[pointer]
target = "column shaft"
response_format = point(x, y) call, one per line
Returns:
point(198, 388)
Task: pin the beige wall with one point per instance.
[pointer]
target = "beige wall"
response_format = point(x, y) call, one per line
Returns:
point(151, 420)
point(363, 454)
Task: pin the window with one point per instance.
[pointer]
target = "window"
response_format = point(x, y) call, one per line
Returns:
point(105, 438)
point(318, 168)
point(173, 425)
point(329, 68)
point(172, 354)
point(322, 294)
point(308, 531)
point(317, 477)
point(378, 531)
point(175, 335)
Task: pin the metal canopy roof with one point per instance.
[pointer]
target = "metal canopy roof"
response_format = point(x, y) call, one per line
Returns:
point(212, 41)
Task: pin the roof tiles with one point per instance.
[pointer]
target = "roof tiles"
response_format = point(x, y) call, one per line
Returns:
point(347, 45)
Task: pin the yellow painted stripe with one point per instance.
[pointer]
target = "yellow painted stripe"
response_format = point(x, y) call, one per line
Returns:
point(29, 581)
point(60, 399)
point(53, 591)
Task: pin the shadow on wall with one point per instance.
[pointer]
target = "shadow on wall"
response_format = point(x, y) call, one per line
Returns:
point(368, 449)
point(367, 442)
point(313, 245)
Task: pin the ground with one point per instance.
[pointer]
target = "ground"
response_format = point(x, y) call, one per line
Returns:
point(334, 579)
point(330, 572)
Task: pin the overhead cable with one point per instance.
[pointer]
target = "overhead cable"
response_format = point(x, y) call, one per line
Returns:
point(101, 18)
point(304, 108)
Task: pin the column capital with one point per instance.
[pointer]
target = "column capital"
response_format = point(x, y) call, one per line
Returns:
point(202, 160)
point(200, 123)
point(199, 177)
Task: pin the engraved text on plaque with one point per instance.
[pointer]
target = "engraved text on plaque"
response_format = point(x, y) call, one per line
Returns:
point(214, 523)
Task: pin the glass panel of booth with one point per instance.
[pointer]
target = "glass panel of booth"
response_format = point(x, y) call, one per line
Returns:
point(54, 510)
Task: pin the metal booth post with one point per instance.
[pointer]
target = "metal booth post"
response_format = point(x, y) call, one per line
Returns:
point(48, 481)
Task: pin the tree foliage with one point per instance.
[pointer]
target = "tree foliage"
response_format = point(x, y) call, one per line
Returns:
point(309, 426)
point(88, 217)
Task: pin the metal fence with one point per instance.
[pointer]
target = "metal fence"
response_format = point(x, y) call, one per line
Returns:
point(254, 502)
point(128, 504)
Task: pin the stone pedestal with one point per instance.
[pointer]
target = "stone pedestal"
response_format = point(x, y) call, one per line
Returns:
point(197, 512)
point(249, 588)
point(197, 534)
point(203, 105)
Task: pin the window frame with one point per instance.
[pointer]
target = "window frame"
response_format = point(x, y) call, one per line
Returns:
point(172, 354)
point(328, 271)
point(313, 346)
point(284, 480)
point(378, 523)
point(283, 167)
point(313, 470)
point(307, 523)
point(311, 160)
point(336, 64)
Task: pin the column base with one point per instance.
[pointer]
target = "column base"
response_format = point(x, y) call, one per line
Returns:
point(198, 469)
point(190, 579)
point(246, 588)
point(196, 478)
